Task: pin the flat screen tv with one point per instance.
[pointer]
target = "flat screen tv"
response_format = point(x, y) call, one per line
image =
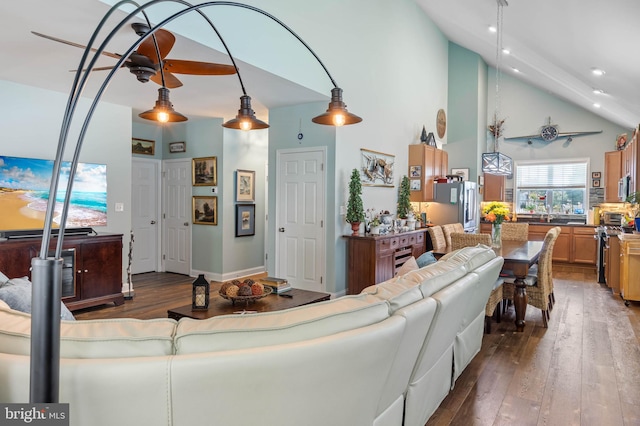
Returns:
point(24, 191)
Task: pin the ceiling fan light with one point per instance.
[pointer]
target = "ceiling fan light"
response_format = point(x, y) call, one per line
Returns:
point(246, 118)
point(336, 114)
point(163, 111)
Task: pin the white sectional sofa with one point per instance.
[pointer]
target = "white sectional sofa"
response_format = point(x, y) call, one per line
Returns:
point(388, 356)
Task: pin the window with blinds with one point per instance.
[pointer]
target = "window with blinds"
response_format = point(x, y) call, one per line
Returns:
point(552, 187)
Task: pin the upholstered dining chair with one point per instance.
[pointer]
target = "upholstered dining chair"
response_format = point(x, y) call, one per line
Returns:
point(515, 231)
point(461, 239)
point(539, 281)
point(449, 229)
point(437, 238)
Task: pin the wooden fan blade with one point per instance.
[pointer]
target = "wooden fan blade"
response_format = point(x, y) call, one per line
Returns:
point(70, 43)
point(179, 66)
point(165, 44)
point(170, 80)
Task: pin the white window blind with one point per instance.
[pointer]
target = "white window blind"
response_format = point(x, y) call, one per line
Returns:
point(552, 175)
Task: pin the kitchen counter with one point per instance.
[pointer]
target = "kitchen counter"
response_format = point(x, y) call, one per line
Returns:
point(559, 222)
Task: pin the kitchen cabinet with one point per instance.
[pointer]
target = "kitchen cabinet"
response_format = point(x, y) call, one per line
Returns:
point(584, 248)
point(612, 174)
point(612, 264)
point(92, 267)
point(372, 259)
point(425, 164)
point(494, 187)
point(629, 267)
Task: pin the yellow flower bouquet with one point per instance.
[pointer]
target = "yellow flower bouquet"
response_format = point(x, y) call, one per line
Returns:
point(496, 212)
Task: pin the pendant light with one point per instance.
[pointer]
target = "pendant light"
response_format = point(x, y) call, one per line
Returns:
point(163, 110)
point(495, 162)
point(246, 118)
point(337, 114)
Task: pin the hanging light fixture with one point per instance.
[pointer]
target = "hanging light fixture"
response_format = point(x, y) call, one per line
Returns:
point(246, 118)
point(495, 162)
point(163, 110)
point(337, 114)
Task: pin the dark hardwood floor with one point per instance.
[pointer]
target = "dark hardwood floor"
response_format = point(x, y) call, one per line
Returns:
point(582, 370)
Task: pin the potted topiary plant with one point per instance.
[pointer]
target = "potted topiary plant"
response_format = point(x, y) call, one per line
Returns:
point(404, 201)
point(355, 210)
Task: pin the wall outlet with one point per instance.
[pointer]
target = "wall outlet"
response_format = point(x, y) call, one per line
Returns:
point(214, 190)
point(119, 207)
point(343, 210)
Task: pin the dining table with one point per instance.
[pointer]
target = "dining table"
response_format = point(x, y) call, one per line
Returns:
point(518, 257)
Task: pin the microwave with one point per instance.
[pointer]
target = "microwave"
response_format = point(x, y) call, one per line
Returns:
point(623, 188)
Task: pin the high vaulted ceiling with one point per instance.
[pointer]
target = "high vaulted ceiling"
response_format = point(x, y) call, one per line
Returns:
point(554, 43)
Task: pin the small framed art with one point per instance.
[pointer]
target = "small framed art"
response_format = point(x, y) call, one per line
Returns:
point(177, 147)
point(415, 171)
point(245, 220)
point(596, 183)
point(204, 171)
point(415, 185)
point(143, 146)
point(464, 173)
point(596, 175)
point(245, 185)
point(205, 210)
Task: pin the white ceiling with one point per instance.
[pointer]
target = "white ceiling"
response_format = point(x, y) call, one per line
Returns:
point(554, 43)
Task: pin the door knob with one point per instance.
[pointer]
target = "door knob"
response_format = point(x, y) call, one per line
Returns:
point(280, 229)
point(186, 224)
point(153, 222)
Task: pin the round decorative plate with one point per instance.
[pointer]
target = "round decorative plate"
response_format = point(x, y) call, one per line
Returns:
point(247, 299)
point(441, 123)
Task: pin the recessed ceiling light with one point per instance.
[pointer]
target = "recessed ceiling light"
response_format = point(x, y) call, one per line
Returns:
point(596, 105)
point(506, 51)
point(598, 72)
point(516, 70)
point(492, 29)
point(598, 91)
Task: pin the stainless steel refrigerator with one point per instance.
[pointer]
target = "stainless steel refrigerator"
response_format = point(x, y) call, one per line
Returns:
point(455, 202)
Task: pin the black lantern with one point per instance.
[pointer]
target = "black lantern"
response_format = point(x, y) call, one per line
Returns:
point(200, 296)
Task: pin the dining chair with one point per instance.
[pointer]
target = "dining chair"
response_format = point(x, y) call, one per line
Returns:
point(438, 241)
point(515, 231)
point(449, 229)
point(539, 280)
point(461, 239)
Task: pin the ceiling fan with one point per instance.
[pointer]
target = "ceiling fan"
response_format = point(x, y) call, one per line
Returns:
point(549, 132)
point(144, 63)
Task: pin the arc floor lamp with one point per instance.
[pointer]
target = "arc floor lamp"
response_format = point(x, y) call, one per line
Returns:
point(46, 270)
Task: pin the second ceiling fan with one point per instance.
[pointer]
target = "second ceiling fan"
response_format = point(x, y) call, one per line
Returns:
point(145, 64)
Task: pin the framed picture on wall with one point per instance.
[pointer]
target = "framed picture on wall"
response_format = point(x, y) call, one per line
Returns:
point(177, 147)
point(245, 185)
point(143, 146)
point(205, 210)
point(596, 183)
point(204, 171)
point(376, 168)
point(415, 184)
point(245, 220)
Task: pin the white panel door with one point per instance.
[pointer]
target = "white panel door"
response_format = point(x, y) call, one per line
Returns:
point(300, 236)
point(177, 216)
point(145, 181)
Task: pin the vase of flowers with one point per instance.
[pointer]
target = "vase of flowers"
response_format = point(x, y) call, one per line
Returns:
point(496, 212)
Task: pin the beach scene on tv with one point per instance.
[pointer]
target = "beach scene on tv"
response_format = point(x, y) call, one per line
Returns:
point(24, 192)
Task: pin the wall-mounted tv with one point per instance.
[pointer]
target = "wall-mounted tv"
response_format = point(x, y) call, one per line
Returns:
point(24, 191)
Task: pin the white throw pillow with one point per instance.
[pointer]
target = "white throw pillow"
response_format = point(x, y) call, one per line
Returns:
point(408, 266)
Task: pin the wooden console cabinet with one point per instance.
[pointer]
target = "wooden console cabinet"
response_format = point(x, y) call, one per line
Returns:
point(92, 267)
point(371, 259)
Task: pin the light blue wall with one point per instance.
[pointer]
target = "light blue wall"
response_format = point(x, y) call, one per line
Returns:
point(526, 109)
point(467, 109)
point(30, 119)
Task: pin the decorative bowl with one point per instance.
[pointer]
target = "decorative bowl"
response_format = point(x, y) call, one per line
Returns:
point(247, 299)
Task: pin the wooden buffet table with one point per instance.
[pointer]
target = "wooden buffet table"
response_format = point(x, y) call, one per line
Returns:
point(372, 259)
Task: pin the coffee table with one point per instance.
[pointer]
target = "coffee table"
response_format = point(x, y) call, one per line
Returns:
point(273, 302)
